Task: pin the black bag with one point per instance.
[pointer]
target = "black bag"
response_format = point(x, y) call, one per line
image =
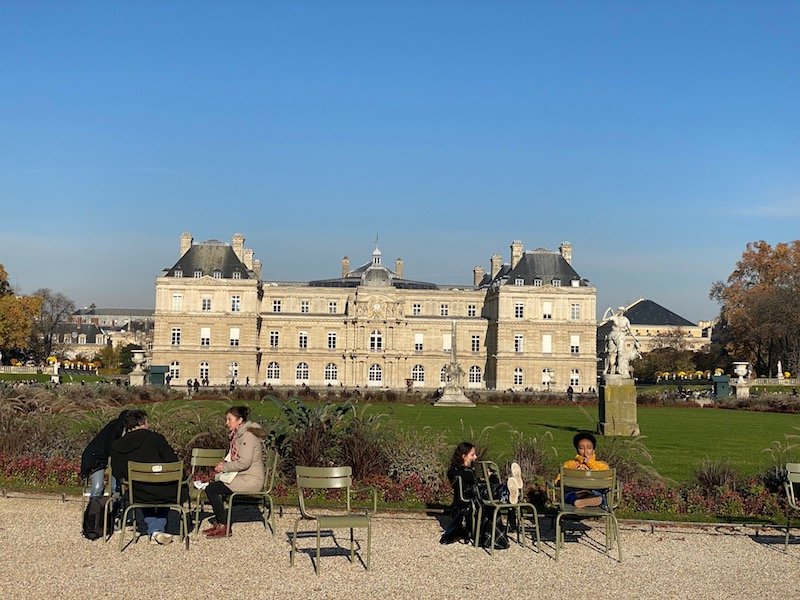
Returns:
point(501, 532)
point(93, 518)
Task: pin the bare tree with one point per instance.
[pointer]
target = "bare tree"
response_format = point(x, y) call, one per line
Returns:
point(55, 310)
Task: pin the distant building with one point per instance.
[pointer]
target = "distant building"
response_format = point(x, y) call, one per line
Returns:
point(656, 327)
point(119, 326)
point(527, 324)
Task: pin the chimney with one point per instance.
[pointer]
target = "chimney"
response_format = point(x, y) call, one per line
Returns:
point(566, 251)
point(186, 242)
point(248, 258)
point(497, 262)
point(257, 268)
point(238, 245)
point(345, 266)
point(516, 252)
point(477, 275)
point(398, 267)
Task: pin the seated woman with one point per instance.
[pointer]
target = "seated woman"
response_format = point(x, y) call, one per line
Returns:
point(243, 469)
point(95, 456)
point(586, 460)
point(461, 512)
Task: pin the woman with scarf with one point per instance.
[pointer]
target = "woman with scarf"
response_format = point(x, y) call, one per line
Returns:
point(241, 471)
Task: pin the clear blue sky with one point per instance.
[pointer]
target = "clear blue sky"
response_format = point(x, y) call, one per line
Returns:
point(659, 138)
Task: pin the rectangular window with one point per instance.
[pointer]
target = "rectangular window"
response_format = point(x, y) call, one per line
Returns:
point(537, 282)
point(176, 336)
point(574, 344)
point(444, 310)
point(177, 302)
point(205, 336)
point(331, 340)
point(304, 304)
point(447, 342)
point(198, 274)
point(236, 303)
point(178, 274)
point(556, 283)
point(205, 304)
point(302, 340)
point(519, 310)
point(519, 343)
point(476, 343)
point(519, 281)
point(575, 311)
point(472, 310)
point(234, 336)
point(274, 337)
point(333, 307)
point(547, 343)
point(418, 341)
point(217, 274)
point(237, 275)
point(547, 310)
point(276, 306)
point(416, 309)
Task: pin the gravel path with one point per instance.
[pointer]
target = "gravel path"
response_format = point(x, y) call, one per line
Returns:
point(43, 555)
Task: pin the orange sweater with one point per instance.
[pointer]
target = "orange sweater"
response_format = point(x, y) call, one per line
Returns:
point(592, 463)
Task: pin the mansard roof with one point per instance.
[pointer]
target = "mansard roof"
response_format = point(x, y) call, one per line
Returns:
point(124, 312)
point(374, 274)
point(542, 264)
point(647, 312)
point(208, 257)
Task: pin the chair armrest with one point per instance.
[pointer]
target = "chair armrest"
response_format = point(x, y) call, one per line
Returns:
point(553, 493)
point(367, 489)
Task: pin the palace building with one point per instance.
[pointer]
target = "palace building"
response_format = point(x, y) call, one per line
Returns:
point(525, 324)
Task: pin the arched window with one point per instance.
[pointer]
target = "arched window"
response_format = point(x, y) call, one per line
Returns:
point(203, 370)
point(331, 372)
point(301, 373)
point(418, 373)
point(475, 374)
point(375, 374)
point(547, 376)
point(273, 371)
point(575, 377)
point(375, 341)
point(174, 369)
point(518, 376)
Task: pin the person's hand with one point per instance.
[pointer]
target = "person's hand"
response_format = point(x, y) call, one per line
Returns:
point(218, 467)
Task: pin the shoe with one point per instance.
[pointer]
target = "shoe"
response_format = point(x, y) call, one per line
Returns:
point(220, 532)
point(513, 491)
point(210, 529)
point(516, 473)
point(160, 538)
point(587, 502)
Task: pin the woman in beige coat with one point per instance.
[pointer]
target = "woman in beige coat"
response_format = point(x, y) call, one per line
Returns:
point(243, 467)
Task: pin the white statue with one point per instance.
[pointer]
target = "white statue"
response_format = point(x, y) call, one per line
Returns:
point(618, 357)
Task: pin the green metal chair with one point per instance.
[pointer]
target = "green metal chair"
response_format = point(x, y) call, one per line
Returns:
point(458, 491)
point(329, 478)
point(792, 479)
point(496, 506)
point(264, 497)
point(108, 492)
point(161, 473)
point(201, 458)
point(604, 481)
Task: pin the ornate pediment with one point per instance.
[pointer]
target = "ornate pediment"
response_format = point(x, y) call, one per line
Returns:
point(377, 307)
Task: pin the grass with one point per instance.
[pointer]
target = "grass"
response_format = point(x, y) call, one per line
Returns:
point(45, 377)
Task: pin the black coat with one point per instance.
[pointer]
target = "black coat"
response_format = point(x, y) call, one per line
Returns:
point(95, 455)
point(143, 445)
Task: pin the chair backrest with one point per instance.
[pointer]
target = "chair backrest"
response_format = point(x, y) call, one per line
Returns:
point(323, 478)
point(171, 472)
point(487, 467)
point(587, 480)
point(270, 468)
point(792, 478)
point(206, 457)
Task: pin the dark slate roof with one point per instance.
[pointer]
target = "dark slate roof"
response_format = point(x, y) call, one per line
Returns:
point(90, 330)
point(125, 312)
point(537, 264)
point(371, 274)
point(647, 312)
point(208, 257)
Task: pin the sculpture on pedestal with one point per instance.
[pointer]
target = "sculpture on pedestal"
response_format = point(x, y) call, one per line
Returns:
point(618, 356)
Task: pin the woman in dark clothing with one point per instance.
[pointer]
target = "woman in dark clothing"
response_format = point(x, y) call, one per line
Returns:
point(95, 457)
point(461, 512)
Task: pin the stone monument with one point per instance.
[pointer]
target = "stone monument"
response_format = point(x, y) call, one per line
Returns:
point(137, 376)
point(742, 385)
point(617, 407)
point(453, 393)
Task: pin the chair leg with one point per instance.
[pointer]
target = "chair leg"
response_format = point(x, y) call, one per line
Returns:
point(478, 526)
point(559, 533)
point(352, 547)
point(228, 522)
point(616, 535)
point(369, 540)
point(319, 562)
point(786, 541)
point(294, 545)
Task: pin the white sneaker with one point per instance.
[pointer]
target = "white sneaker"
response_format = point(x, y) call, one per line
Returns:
point(160, 538)
point(513, 490)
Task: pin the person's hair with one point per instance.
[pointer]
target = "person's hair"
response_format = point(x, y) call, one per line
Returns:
point(584, 435)
point(134, 418)
point(240, 412)
point(459, 453)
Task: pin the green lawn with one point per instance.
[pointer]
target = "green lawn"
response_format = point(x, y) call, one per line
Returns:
point(45, 377)
point(677, 438)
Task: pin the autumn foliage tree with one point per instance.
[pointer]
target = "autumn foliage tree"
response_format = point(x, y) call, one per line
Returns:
point(760, 306)
point(17, 314)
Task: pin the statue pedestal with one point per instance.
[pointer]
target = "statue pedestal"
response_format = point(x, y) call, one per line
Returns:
point(137, 378)
point(617, 409)
point(742, 390)
point(453, 396)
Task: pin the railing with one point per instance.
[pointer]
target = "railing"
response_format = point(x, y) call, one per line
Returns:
point(18, 369)
point(769, 381)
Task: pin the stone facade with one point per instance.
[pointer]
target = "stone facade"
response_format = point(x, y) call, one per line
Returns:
point(527, 324)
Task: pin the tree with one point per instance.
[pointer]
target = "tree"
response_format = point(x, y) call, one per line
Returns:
point(760, 306)
point(5, 287)
point(675, 338)
point(126, 357)
point(54, 310)
point(17, 314)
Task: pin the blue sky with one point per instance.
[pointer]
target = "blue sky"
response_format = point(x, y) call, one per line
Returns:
point(658, 138)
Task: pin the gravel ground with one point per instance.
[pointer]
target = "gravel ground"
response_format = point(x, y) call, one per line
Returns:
point(43, 555)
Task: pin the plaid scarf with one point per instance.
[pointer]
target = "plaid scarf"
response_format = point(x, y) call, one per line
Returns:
point(234, 450)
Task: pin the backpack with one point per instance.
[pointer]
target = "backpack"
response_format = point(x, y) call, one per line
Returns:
point(93, 518)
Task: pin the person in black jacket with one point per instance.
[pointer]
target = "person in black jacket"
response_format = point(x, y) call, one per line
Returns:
point(461, 512)
point(95, 456)
point(139, 444)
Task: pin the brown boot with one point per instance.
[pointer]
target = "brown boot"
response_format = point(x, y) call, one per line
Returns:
point(211, 530)
point(220, 532)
